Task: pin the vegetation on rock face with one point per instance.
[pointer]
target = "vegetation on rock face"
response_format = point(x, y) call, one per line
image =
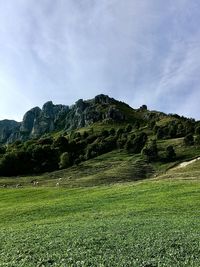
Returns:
point(115, 125)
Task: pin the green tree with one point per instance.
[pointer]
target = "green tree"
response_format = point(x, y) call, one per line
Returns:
point(197, 130)
point(150, 152)
point(64, 160)
point(170, 153)
point(189, 140)
point(120, 131)
point(129, 128)
point(61, 143)
point(105, 133)
point(160, 133)
point(197, 140)
point(135, 144)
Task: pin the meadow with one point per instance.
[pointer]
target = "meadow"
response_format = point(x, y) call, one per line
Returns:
point(154, 222)
point(104, 213)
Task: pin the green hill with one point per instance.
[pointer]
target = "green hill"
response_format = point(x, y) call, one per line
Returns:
point(122, 190)
point(150, 223)
point(92, 128)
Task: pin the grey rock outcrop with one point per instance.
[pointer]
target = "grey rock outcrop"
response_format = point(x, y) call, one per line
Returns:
point(85, 113)
point(29, 119)
point(37, 122)
point(8, 129)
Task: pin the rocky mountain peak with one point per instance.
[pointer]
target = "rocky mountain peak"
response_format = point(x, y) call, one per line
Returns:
point(103, 99)
point(37, 122)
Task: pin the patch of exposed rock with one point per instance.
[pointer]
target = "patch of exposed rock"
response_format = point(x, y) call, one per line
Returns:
point(37, 122)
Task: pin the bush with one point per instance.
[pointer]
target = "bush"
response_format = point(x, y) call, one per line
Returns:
point(150, 152)
point(128, 128)
point(136, 143)
point(16, 163)
point(160, 133)
point(85, 135)
point(197, 130)
point(120, 131)
point(2, 149)
point(61, 143)
point(105, 133)
point(64, 160)
point(197, 140)
point(170, 153)
point(112, 131)
point(189, 140)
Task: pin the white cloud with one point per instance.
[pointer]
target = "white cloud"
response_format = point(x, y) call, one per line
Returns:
point(138, 51)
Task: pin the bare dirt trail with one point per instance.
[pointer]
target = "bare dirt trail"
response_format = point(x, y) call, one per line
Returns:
point(184, 164)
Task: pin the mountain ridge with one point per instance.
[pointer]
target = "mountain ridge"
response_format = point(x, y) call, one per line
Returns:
point(56, 117)
point(38, 121)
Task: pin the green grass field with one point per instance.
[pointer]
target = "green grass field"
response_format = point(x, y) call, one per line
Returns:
point(102, 215)
point(146, 223)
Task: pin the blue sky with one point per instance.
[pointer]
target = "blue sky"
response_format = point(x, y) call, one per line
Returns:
point(138, 51)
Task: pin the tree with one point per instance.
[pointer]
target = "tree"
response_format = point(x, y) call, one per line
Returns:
point(189, 127)
point(180, 130)
point(189, 140)
point(172, 131)
point(135, 144)
point(61, 143)
point(129, 128)
point(120, 131)
point(170, 153)
point(197, 130)
point(151, 124)
point(160, 133)
point(112, 131)
point(85, 135)
point(150, 152)
point(105, 133)
point(2, 149)
point(15, 163)
point(64, 160)
point(197, 140)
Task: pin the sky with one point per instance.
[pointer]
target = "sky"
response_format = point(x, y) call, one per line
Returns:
point(137, 51)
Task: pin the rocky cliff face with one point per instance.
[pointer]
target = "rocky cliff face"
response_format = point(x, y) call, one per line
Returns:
point(8, 129)
point(85, 113)
point(37, 122)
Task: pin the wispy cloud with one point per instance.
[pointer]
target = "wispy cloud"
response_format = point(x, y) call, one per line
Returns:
point(138, 51)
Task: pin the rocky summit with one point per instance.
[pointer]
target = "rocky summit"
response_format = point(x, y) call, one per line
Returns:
point(37, 122)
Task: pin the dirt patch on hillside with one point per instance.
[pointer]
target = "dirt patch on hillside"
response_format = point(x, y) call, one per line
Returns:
point(184, 164)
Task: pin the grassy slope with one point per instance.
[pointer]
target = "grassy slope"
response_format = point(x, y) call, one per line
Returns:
point(153, 222)
point(116, 166)
point(149, 223)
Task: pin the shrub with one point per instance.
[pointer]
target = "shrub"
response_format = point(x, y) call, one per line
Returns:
point(61, 143)
point(105, 133)
point(197, 130)
point(64, 160)
point(160, 133)
point(189, 140)
point(197, 140)
point(120, 131)
point(128, 128)
point(136, 143)
point(112, 131)
point(170, 153)
point(150, 152)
